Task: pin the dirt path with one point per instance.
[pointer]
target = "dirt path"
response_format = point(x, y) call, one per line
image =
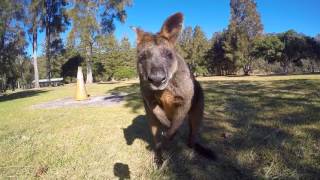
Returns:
point(107, 100)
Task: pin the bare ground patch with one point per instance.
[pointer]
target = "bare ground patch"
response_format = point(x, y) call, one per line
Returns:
point(105, 100)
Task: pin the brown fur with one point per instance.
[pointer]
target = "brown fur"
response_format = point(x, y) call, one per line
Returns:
point(168, 102)
point(170, 92)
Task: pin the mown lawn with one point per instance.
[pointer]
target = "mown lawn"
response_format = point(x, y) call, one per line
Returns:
point(260, 127)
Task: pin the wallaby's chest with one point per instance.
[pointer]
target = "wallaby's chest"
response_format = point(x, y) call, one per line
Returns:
point(169, 102)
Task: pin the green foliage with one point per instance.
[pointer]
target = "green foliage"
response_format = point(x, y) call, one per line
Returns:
point(219, 57)
point(69, 69)
point(287, 48)
point(54, 20)
point(124, 72)
point(12, 43)
point(193, 46)
point(269, 47)
point(116, 57)
point(201, 71)
point(89, 26)
point(98, 71)
point(231, 49)
point(245, 26)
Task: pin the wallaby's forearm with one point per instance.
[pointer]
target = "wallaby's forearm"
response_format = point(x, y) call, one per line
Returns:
point(159, 113)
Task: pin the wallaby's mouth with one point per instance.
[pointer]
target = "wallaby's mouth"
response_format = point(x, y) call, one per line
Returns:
point(156, 86)
point(158, 78)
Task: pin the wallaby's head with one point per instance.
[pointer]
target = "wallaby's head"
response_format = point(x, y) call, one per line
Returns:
point(157, 59)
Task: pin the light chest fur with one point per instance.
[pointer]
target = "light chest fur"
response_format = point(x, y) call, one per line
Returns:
point(168, 102)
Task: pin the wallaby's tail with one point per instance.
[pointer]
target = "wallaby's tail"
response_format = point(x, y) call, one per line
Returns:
point(203, 151)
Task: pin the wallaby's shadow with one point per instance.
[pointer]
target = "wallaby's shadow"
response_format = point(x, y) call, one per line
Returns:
point(175, 152)
point(138, 130)
point(121, 170)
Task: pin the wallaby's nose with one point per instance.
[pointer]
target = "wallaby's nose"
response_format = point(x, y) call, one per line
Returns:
point(157, 76)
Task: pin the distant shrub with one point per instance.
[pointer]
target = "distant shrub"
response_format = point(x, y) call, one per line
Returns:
point(124, 72)
point(201, 71)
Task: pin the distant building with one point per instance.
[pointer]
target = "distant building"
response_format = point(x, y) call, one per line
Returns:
point(53, 82)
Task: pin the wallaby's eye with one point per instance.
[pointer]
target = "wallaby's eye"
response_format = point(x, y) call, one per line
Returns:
point(144, 55)
point(167, 54)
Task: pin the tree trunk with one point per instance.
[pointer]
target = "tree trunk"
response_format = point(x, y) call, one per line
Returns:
point(89, 65)
point(246, 70)
point(48, 42)
point(34, 55)
point(285, 66)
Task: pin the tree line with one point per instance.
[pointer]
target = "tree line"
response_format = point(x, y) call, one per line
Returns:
point(21, 20)
point(241, 48)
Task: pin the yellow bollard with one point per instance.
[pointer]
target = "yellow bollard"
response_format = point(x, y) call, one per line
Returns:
point(81, 93)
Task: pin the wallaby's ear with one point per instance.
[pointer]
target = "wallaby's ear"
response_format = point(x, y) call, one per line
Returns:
point(139, 33)
point(171, 28)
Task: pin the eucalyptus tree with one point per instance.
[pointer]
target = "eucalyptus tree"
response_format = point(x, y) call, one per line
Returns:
point(12, 40)
point(245, 26)
point(54, 21)
point(36, 10)
point(90, 19)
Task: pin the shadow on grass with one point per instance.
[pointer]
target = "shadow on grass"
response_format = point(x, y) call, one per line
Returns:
point(133, 98)
point(283, 74)
point(264, 120)
point(21, 94)
point(121, 171)
point(254, 127)
point(138, 130)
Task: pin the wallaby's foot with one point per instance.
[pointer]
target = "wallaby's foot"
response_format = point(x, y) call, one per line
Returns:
point(167, 136)
point(203, 151)
point(158, 160)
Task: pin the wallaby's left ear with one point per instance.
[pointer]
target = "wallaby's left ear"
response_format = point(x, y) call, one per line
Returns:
point(171, 28)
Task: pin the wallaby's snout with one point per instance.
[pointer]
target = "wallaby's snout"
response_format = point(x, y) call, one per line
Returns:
point(157, 76)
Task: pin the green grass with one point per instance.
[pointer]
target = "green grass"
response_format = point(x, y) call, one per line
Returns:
point(260, 127)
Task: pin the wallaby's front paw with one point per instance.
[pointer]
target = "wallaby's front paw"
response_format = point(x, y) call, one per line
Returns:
point(158, 160)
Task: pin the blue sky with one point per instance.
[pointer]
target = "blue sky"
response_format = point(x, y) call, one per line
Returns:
point(213, 15)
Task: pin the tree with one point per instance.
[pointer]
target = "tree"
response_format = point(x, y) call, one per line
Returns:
point(193, 46)
point(36, 11)
point(269, 48)
point(294, 49)
point(54, 20)
point(128, 53)
point(12, 41)
point(245, 26)
point(108, 53)
point(117, 58)
point(184, 44)
point(86, 24)
point(69, 69)
point(215, 55)
point(200, 46)
point(286, 48)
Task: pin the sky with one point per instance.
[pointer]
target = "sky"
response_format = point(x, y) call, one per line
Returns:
point(213, 16)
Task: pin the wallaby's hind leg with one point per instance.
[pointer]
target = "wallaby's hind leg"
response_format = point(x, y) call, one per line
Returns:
point(195, 114)
point(194, 120)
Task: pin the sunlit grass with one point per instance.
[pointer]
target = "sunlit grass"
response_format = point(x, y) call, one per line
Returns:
point(260, 127)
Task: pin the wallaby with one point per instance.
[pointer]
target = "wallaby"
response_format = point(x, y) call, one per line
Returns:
point(169, 90)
